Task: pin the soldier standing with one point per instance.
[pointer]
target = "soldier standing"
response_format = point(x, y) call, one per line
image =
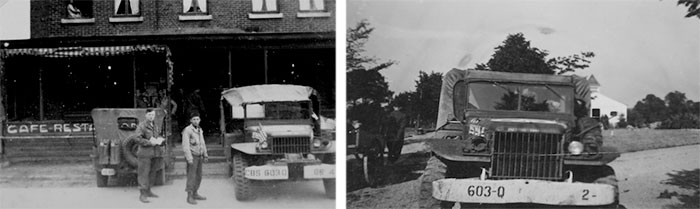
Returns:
point(395, 130)
point(196, 155)
point(150, 154)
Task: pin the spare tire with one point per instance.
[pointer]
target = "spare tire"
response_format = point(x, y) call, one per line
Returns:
point(129, 148)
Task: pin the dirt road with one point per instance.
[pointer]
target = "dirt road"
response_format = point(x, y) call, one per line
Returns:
point(640, 175)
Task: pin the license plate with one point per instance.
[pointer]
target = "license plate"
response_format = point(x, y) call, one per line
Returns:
point(108, 172)
point(322, 171)
point(523, 191)
point(267, 172)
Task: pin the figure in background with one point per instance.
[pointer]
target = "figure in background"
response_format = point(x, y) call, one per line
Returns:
point(194, 6)
point(395, 127)
point(170, 107)
point(195, 104)
point(73, 12)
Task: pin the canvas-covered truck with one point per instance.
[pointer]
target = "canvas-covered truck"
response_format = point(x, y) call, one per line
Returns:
point(273, 132)
point(114, 153)
point(526, 141)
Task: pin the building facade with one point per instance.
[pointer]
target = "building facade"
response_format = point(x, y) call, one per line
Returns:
point(85, 54)
point(602, 105)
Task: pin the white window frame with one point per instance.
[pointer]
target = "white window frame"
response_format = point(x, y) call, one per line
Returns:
point(202, 15)
point(312, 8)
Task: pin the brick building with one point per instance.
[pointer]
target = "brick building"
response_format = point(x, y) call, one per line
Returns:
point(84, 54)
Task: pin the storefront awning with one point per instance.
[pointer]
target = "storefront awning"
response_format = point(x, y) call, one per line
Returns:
point(78, 51)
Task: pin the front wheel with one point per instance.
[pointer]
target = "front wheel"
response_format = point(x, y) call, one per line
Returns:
point(101, 180)
point(160, 178)
point(243, 185)
point(329, 185)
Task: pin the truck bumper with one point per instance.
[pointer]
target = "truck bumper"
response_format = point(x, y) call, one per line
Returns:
point(284, 171)
point(523, 191)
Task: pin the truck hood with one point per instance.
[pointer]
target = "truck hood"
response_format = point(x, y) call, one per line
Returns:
point(517, 125)
point(284, 130)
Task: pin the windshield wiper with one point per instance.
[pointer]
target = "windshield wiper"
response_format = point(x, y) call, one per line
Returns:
point(555, 92)
point(502, 86)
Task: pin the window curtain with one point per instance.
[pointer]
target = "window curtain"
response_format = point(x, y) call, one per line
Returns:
point(311, 5)
point(126, 7)
point(194, 6)
point(264, 5)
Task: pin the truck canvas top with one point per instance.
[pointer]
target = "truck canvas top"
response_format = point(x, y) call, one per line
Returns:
point(267, 93)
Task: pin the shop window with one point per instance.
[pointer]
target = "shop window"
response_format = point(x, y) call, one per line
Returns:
point(78, 11)
point(264, 9)
point(613, 113)
point(312, 8)
point(126, 11)
point(194, 10)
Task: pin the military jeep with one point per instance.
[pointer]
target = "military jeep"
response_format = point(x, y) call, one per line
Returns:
point(114, 150)
point(273, 132)
point(526, 141)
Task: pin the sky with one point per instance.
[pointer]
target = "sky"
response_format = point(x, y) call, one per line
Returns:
point(642, 47)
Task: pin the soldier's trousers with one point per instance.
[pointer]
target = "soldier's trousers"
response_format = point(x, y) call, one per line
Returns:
point(147, 171)
point(194, 174)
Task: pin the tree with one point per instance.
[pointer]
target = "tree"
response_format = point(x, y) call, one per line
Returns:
point(693, 7)
point(428, 87)
point(676, 102)
point(367, 88)
point(516, 55)
point(635, 118)
point(652, 109)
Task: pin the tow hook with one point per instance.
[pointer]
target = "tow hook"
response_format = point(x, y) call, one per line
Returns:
point(570, 179)
point(483, 174)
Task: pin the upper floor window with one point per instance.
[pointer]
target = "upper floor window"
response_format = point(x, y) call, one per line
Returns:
point(311, 5)
point(194, 6)
point(126, 7)
point(265, 9)
point(312, 8)
point(264, 5)
point(79, 8)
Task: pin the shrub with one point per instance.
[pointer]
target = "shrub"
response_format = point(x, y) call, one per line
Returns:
point(681, 121)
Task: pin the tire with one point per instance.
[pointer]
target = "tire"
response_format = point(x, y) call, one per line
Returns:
point(129, 148)
point(243, 185)
point(161, 178)
point(434, 170)
point(101, 180)
point(606, 175)
point(329, 186)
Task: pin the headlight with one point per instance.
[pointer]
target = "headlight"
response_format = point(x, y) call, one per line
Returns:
point(317, 143)
point(575, 148)
point(264, 145)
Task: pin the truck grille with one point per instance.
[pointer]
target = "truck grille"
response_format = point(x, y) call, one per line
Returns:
point(291, 144)
point(527, 156)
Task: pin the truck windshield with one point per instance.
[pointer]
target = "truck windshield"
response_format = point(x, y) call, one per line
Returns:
point(287, 110)
point(520, 97)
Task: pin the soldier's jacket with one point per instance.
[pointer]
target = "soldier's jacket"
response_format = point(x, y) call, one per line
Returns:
point(145, 131)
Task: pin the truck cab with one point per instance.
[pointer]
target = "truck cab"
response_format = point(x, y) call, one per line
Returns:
point(273, 132)
point(522, 142)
